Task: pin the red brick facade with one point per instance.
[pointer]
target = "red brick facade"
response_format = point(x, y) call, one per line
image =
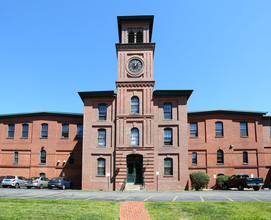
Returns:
point(135, 132)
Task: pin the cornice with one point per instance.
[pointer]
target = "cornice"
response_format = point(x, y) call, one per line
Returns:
point(137, 46)
point(135, 84)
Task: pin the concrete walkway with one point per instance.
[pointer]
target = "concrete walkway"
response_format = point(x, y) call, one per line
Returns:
point(133, 211)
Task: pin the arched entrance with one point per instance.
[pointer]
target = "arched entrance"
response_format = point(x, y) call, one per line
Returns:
point(135, 169)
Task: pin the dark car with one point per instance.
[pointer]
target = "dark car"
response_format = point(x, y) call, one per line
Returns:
point(1, 179)
point(59, 182)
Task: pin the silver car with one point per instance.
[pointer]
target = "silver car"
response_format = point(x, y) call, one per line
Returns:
point(14, 181)
point(38, 182)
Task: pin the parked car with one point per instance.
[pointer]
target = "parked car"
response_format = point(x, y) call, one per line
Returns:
point(242, 181)
point(38, 182)
point(1, 179)
point(59, 182)
point(14, 181)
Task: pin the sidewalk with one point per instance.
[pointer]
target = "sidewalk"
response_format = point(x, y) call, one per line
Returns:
point(133, 211)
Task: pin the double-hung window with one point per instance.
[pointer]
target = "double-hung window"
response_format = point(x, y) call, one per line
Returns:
point(100, 167)
point(168, 167)
point(11, 128)
point(79, 131)
point(193, 129)
point(16, 157)
point(243, 129)
point(167, 111)
point(25, 131)
point(44, 131)
point(167, 136)
point(43, 157)
point(219, 129)
point(134, 136)
point(194, 158)
point(101, 137)
point(102, 111)
point(245, 157)
point(65, 131)
point(135, 105)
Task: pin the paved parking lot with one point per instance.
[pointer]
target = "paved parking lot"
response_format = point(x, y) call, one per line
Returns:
point(192, 196)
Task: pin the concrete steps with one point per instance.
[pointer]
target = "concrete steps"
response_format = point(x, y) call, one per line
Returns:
point(130, 187)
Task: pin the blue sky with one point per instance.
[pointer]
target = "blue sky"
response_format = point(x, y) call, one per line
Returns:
point(50, 50)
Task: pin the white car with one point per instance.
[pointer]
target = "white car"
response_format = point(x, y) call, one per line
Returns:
point(38, 182)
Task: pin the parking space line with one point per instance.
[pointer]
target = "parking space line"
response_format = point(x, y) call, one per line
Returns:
point(254, 198)
point(121, 198)
point(147, 199)
point(94, 197)
point(201, 198)
point(174, 198)
point(229, 198)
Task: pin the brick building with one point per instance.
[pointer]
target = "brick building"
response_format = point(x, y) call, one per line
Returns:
point(132, 134)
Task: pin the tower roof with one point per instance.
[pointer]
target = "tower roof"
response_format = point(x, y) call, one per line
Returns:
point(148, 18)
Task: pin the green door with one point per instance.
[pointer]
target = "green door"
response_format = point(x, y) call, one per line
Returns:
point(134, 169)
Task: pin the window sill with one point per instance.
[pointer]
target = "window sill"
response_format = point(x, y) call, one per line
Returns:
point(10, 137)
point(194, 164)
point(42, 163)
point(194, 137)
point(15, 164)
point(168, 145)
point(219, 136)
point(220, 164)
point(43, 137)
point(100, 175)
point(245, 163)
point(101, 146)
point(64, 138)
point(244, 136)
point(168, 176)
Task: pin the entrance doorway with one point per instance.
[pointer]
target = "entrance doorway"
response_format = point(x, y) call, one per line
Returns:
point(135, 169)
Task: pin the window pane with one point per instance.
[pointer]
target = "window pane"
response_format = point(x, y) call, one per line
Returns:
point(44, 131)
point(11, 130)
point(65, 131)
point(43, 156)
point(167, 111)
point(219, 129)
point(16, 157)
point(193, 129)
point(245, 157)
point(101, 167)
point(71, 158)
point(220, 156)
point(102, 111)
point(79, 130)
point(134, 105)
point(194, 158)
point(243, 129)
point(168, 136)
point(25, 131)
point(139, 37)
point(101, 137)
point(168, 166)
point(134, 136)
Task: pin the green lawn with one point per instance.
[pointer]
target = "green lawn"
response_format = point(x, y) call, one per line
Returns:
point(209, 210)
point(57, 209)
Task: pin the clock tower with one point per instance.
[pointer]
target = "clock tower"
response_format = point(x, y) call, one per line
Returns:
point(134, 117)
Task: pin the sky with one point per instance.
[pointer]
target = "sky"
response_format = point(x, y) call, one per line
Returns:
point(50, 50)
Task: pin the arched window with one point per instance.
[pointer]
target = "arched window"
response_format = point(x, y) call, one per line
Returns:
point(220, 156)
point(101, 137)
point(167, 136)
point(168, 167)
point(131, 37)
point(24, 131)
point(44, 130)
point(42, 175)
point(139, 37)
point(100, 167)
point(245, 157)
point(102, 111)
point(194, 158)
point(219, 129)
point(134, 136)
point(43, 156)
point(134, 105)
point(167, 111)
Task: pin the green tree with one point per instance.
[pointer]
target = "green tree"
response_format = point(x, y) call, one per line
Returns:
point(199, 180)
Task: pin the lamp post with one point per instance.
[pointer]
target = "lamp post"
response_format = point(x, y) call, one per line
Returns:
point(157, 174)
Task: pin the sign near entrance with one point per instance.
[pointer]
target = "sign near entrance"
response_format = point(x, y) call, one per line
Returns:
point(107, 174)
point(157, 173)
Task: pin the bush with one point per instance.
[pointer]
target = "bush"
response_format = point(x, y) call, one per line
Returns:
point(199, 180)
point(220, 181)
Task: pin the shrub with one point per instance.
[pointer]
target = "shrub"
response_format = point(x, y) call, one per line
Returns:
point(199, 180)
point(220, 181)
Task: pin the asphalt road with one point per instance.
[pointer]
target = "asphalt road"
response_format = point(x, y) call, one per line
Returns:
point(186, 196)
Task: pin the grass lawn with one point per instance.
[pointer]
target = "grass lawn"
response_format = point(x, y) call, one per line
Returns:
point(57, 209)
point(209, 210)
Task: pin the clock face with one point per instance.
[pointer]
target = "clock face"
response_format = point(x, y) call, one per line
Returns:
point(135, 65)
